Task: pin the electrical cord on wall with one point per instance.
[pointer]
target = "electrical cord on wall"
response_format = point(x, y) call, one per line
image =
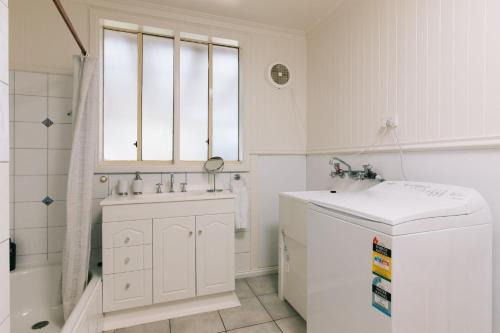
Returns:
point(401, 155)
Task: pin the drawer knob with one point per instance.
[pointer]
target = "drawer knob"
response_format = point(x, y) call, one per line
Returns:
point(127, 286)
point(127, 240)
point(127, 260)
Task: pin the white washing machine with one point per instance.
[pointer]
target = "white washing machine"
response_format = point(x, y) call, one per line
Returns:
point(401, 257)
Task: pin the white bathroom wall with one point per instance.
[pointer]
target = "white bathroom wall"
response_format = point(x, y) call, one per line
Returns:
point(4, 169)
point(272, 175)
point(433, 63)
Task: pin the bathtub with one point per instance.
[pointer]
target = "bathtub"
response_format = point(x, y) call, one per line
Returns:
point(36, 297)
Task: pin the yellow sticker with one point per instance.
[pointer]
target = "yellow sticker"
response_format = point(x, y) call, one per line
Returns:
point(381, 260)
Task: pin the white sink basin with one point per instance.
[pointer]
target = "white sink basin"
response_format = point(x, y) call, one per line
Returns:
point(165, 197)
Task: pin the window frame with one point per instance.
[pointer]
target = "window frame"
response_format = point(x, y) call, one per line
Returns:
point(176, 164)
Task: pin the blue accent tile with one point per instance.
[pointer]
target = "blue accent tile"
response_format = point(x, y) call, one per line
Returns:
point(47, 201)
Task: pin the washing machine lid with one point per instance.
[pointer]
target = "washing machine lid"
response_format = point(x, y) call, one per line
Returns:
point(397, 202)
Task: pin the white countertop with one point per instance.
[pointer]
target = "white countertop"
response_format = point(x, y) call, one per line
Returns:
point(115, 199)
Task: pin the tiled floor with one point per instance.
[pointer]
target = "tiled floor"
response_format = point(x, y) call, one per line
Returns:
point(261, 311)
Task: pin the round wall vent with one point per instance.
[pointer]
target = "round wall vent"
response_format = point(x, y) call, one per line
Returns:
point(279, 75)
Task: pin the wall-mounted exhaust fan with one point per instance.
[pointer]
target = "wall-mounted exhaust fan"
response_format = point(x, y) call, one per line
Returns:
point(279, 75)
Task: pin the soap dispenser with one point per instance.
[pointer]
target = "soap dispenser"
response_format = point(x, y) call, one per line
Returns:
point(138, 184)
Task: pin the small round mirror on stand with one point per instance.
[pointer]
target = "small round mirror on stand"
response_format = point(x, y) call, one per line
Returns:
point(212, 166)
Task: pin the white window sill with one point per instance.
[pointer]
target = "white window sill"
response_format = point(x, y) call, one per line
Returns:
point(157, 167)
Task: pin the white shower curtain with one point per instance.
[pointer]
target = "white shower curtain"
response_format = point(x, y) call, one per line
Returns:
point(76, 253)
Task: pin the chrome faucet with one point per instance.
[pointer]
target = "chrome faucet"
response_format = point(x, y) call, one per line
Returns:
point(366, 173)
point(171, 184)
point(335, 161)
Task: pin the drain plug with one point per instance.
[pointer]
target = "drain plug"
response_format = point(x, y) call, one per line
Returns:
point(39, 325)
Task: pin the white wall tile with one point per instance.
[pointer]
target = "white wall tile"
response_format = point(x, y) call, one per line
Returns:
point(30, 188)
point(30, 162)
point(242, 262)
point(4, 44)
point(28, 83)
point(11, 215)
point(222, 180)
point(54, 257)
point(57, 214)
point(11, 161)
point(30, 215)
point(30, 135)
point(4, 201)
point(12, 105)
point(60, 110)
point(11, 134)
point(60, 136)
point(4, 280)
point(242, 241)
point(56, 239)
point(96, 211)
point(31, 241)
point(12, 183)
point(57, 187)
point(31, 259)
point(59, 161)
point(12, 74)
point(96, 235)
point(60, 85)
point(100, 190)
point(30, 108)
point(4, 122)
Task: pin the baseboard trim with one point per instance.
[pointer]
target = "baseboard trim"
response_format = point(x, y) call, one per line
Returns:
point(158, 312)
point(257, 272)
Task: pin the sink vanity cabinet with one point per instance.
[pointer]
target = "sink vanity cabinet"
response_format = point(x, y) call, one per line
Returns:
point(167, 255)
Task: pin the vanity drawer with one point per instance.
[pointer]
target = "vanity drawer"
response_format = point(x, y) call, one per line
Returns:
point(127, 290)
point(127, 233)
point(127, 259)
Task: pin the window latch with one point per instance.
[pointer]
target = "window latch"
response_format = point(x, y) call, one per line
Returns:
point(135, 144)
point(207, 141)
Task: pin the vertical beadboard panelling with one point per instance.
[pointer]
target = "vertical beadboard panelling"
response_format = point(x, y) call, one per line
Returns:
point(433, 63)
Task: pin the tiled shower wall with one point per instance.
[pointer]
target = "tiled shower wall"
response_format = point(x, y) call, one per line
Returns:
point(41, 134)
point(40, 143)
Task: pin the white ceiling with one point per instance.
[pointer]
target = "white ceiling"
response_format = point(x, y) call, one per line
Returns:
point(294, 14)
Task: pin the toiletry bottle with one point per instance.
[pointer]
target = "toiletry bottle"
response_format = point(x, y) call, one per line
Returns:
point(137, 184)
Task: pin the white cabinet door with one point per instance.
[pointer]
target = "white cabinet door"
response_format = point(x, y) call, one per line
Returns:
point(173, 259)
point(214, 254)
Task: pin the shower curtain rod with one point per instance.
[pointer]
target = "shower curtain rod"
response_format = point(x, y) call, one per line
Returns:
point(70, 26)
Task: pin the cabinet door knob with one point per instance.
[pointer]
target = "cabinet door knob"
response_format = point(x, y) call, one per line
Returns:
point(190, 233)
point(199, 232)
point(127, 239)
point(127, 260)
point(127, 286)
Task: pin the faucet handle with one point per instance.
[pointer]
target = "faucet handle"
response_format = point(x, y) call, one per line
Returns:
point(183, 187)
point(158, 187)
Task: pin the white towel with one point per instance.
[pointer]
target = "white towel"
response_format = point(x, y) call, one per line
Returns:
point(239, 188)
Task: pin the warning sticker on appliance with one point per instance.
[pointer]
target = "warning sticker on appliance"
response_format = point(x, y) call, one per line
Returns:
point(381, 259)
point(381, 295)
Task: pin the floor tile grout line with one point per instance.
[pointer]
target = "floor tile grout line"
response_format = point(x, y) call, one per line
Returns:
point(222, 320)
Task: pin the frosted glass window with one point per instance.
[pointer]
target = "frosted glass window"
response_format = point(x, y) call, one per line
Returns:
point(157, 98)
point(225, 102)
point(194, 102)
point(120, 95)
